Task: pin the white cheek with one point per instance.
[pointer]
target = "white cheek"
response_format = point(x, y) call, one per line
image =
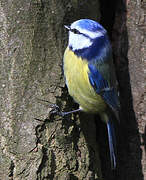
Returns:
point(78, 41)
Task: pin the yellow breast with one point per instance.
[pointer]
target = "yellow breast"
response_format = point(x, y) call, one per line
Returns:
point(76, 74)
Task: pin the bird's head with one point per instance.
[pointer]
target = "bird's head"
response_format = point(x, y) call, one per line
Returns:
point(83, 33)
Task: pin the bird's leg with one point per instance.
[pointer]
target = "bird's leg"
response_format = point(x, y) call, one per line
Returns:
point(55, 109)
point(69, 112)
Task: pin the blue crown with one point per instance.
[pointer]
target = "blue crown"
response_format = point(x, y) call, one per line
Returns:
point(89, 25)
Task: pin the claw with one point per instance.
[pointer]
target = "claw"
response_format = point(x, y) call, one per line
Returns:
point(56, 109)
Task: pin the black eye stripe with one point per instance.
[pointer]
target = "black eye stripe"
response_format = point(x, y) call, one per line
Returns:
point(75, 31)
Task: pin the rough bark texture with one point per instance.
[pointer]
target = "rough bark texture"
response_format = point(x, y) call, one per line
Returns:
point(127, 35)
point(128, 47)
point(32, 41)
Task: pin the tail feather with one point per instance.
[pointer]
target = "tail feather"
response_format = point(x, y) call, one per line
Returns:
point(112, 143)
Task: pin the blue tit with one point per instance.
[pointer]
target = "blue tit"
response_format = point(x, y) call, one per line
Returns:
point(90, 75)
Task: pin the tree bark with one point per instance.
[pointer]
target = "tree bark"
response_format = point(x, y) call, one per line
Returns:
point(33, 40)
point(125, 22)
point(129, 51)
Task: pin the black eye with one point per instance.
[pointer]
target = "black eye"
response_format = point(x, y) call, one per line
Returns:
point(75, 31)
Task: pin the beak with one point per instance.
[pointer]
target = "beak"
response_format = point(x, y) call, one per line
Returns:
point(67, 27)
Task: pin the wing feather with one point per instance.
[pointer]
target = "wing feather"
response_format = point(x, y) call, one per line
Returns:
point(103, 86)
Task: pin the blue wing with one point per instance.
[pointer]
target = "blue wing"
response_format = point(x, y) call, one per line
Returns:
point(109, 94)
point(102, 87)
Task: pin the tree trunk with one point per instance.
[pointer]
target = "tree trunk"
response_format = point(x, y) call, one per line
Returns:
point(128, 47)
point(32, 43)
point(37, 146)
point(125, 22)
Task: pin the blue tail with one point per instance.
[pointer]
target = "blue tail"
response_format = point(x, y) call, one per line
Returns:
point(112, 143)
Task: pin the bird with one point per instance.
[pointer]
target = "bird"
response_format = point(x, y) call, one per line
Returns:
point(90, 74)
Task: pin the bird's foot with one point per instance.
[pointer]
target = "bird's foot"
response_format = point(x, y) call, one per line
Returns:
point(55, 109)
